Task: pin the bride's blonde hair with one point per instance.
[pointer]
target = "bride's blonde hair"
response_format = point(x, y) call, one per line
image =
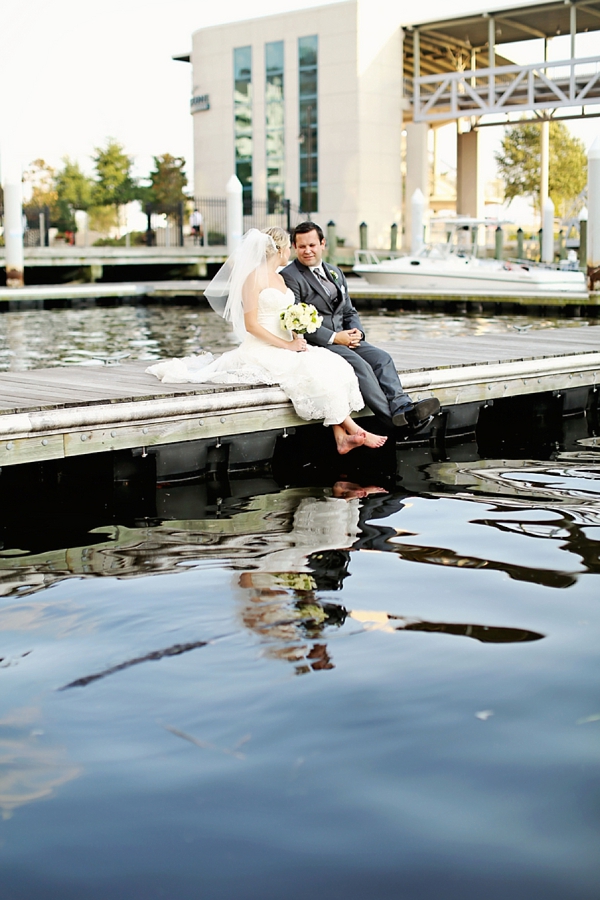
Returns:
point(280, 238)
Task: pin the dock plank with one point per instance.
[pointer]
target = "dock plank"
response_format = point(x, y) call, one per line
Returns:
point(69, 411)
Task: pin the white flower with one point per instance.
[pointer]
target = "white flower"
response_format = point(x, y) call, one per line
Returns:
point(301, 318)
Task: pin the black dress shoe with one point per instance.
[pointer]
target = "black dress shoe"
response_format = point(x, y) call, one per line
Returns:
point(422, 410)
point(400, 420)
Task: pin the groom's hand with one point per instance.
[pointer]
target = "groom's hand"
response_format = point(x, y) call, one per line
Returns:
point(350, 338)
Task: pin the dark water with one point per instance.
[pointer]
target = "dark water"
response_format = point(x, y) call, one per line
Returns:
point(38, 338)
point(295, 687)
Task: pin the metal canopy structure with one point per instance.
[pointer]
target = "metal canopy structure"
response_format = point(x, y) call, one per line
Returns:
point(456, 71)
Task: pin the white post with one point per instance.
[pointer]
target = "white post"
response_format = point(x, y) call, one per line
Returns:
point(417, 171)
point(593, 227)
point(235, 212)
point(548, 231)
point(492, 62)
point(81, 221)
point(417, 208)
point(416, 74)
point(544, 162)
point(13, 220)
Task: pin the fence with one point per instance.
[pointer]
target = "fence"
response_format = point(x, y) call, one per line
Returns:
point(257, 214)
point(169, 231)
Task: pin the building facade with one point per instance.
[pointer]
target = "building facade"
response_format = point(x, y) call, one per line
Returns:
point(306, 106)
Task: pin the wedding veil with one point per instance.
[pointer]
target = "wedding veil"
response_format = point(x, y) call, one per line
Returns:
point(235, 288)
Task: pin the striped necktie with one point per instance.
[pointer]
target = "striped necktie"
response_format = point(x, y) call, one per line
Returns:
point(324, 281)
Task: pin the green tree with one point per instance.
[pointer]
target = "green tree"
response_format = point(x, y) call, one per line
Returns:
point(519, 164)
point(114, 185)
point(40, 181)
point(74, 190)
point(167, 184)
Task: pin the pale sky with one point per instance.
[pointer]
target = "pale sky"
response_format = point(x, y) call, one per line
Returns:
point(73, 72)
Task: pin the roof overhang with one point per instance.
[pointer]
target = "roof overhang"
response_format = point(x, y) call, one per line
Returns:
point(517, 23)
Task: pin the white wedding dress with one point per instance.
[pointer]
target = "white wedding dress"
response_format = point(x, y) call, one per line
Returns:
point(320, 384)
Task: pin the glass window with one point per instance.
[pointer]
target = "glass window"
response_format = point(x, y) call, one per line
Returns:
point(275, 144)
point(307, 50)
point(309, 173)
point(308, 122)
point(274, 89)
point(242, 64)
point(308, 83)
point(243, 147)
point(243, 170)
point(274, 57)
point(274, 173)
point(274, 122)
point(242, 119)
point(274, 115)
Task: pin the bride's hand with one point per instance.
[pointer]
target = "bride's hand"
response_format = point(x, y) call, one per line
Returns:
point(298, 345)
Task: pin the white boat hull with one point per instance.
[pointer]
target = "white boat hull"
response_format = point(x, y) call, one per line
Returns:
point(467, 274)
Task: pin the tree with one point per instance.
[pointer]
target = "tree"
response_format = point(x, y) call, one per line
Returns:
point(40, 181)
point(519, 164)
point(74, 190)
point(167, 183)
point(114, 184)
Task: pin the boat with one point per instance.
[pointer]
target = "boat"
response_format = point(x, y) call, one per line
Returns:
point(450, 266)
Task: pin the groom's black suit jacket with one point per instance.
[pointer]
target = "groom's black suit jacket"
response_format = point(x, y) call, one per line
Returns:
point(338, 312)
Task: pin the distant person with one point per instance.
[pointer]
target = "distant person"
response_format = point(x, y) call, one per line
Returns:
point(197, 223)
point(325, 287)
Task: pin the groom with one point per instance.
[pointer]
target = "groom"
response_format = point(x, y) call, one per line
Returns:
point(313, 281)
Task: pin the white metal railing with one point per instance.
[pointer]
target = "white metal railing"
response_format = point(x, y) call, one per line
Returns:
point(502, 89)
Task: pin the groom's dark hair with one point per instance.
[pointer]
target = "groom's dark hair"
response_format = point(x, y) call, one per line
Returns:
point(304, 228)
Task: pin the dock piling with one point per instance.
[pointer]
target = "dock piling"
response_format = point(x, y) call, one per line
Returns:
point(235, 212)
point(499, 239)
point(548, 231)
point(593, 225)
point(362, 228)
point(417, 204)
point(520, 236)
point(331, 242)
point(13, 219)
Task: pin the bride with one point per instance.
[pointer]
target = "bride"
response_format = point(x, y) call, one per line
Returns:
point(249, 292)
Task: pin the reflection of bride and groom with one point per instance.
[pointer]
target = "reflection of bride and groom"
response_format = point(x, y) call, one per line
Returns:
point(328, 374)
point(281, 592)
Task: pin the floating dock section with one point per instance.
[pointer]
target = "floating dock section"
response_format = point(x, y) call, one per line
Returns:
point(67, 412)
point(364, 296)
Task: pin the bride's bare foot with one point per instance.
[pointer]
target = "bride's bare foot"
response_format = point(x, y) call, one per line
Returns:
point(374, 441)
point(347, 442)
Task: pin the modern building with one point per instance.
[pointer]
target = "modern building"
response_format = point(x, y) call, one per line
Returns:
point(312, 105)
point(308, 106)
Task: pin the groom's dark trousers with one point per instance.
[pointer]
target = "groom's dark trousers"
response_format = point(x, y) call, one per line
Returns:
point(377, 376)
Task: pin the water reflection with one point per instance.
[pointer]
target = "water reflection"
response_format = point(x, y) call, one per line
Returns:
point(287, 550)
point(311, 531)
point(30, 769)
point(566, 492)
point(397, 633)
point(60, 337)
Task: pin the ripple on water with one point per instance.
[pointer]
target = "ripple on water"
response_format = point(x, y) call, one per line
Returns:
point(154, 332)
point(272, 690)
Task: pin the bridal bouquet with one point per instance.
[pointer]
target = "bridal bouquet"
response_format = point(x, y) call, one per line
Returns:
point(301, 318)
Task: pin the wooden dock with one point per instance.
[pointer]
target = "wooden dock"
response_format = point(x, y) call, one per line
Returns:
point(363, 295)
point(64, 412)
